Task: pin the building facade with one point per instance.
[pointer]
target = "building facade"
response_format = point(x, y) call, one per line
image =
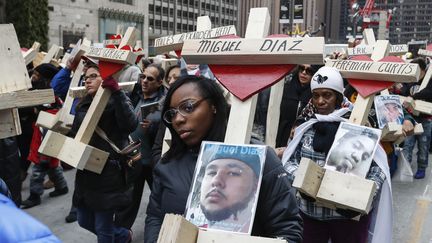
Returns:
point(167, 17)
point(71, 20)
point(411, 20)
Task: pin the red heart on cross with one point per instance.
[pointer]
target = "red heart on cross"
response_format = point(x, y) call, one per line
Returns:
point(115, 37)
point(107, 69)
point(367, 87)
point(243, 81)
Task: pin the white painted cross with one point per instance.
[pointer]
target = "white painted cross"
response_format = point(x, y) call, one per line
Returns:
point(76, 152)
point(254, 49)
point(15, 83)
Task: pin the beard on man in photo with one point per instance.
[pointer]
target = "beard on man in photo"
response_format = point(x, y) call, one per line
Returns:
point(229, 185)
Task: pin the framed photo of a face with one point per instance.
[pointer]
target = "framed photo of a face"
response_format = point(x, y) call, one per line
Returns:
point(225, 187)
point(388, 108)
point(353, 149)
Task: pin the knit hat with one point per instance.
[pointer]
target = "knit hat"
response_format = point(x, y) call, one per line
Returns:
point(47, 70)
point(327, 78)
point(247, 155)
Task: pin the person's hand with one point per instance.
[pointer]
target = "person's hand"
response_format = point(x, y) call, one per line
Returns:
point(111, 84)
point(70, 64)
point(145, 124)
point(407, 128)
point(279, 151)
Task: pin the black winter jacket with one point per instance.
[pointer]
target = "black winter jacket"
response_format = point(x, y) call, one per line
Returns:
point(277, 213)
point(294, 99)
point(105, 191)
point(10, 167)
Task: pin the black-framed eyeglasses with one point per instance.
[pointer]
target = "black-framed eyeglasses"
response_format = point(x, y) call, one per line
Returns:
point(308, 70)
point(91, 76)
point(183, 109)
point(149, 78)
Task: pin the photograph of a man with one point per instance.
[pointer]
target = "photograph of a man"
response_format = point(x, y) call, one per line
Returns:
point(226, 187)
point(353, 149)
point(388, 109)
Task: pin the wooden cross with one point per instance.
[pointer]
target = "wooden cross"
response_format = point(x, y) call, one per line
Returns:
point(76, 152)
point(257, 52)
point(367, 47)
point(14, 84)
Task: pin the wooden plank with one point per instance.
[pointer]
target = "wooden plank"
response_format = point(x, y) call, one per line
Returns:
point(273, 113)
point(380, 71)
point(12, 65)
point(308, 177)
point(51, 122)
point(426, 79)
point(129, 38)
point(330, 48)
point(369, 36)
point(81, 91)
point(39, 58)
point(254, 51)
point(51, 54)
point(73, 152)
point(423, 52)
point(418, 106)
point(381, 49)
point(31, 53)
point(93, 115)
point(112, 55)
point(175, 42)
point(242, 114)
point(205, 236)
point(366, 50)
point(26, 98)
point(9, 123)
point(64, 114)
point(359, 114)
point(176, 229)
point(347, 191)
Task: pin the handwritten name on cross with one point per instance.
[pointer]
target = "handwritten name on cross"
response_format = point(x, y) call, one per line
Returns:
point(376, 71)
point(249, 52)
point(175, 42)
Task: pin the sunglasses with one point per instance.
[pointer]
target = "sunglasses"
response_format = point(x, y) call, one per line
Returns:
point(183, 109)
point(149, 78)
point(91, 76)
point(306, 69)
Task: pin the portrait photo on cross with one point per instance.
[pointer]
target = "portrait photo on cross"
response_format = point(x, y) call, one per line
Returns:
point(353, 149)
point(225, 187)
point(388, 108)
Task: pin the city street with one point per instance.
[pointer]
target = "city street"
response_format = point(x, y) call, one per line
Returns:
point(411, 223)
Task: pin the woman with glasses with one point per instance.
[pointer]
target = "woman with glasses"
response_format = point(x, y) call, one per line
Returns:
point(98, 196)
point(296, 95)
point(196, 110)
